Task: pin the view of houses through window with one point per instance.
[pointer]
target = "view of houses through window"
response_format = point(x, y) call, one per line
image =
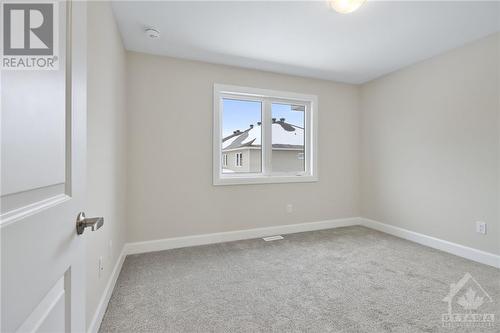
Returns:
point(242, 136)
point(287, 137)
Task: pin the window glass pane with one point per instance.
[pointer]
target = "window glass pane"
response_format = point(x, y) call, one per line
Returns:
point(241, 136)
point(288, 138)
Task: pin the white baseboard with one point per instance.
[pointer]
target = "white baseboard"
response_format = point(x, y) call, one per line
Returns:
point(221, 237)
point(436, 243)
point(103, 303)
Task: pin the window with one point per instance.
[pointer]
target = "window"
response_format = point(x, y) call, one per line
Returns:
point(241, 123)
point(239, 159)
point(271, 135)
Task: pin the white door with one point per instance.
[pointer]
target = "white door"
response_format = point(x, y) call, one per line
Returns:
point(43, 133)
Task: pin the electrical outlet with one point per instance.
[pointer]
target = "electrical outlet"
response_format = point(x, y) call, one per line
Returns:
point(101, 267)
point(481, 227)
point(289, 208)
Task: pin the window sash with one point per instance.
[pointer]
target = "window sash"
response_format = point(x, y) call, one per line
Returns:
point(267, 98)
point(266, 135)
point(239, 159)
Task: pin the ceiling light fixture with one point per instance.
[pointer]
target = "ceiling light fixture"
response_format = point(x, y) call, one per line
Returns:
point(345, 6)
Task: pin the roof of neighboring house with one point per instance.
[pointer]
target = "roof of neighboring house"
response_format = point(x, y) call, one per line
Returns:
point(285, 136)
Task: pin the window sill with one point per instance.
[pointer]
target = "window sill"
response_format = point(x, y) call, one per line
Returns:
point(246, 180)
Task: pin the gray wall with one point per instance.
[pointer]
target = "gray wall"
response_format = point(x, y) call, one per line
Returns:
point(255, 159)
point(170, 191)
point(106, 163)
point(430, 146)
point(287, 161)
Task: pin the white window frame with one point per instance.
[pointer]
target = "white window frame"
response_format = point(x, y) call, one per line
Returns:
point(267, 97)
point(224, 160)
point(239, 159)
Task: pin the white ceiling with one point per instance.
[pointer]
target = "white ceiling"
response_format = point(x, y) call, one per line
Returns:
point(306, 38)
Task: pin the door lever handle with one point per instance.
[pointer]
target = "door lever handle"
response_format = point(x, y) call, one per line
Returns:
point(83, 222)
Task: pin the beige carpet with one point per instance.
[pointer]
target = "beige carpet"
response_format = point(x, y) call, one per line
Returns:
point(349, 279)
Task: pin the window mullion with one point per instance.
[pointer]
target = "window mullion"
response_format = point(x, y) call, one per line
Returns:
point(266, 137)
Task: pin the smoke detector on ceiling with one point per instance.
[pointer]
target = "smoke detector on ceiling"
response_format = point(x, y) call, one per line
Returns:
point(152, 33)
